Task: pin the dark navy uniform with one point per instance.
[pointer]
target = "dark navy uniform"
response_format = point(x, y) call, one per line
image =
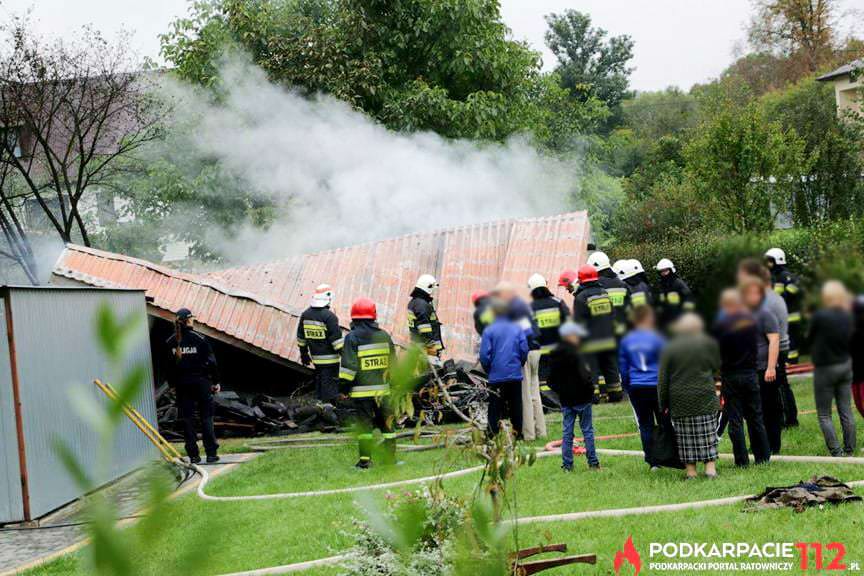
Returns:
point(423, 323)
point(593, 308)
point(193, 375)
point(674, 298)
point(786, 285)
point(640, 291)
point(320, 340)
point(549, 313)
point(619, 292)
point(483, 315)
point(364, 373)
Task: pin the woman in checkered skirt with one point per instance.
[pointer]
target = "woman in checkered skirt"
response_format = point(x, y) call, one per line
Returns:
point(688, 370)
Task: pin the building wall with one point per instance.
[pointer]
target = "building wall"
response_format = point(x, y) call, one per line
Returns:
point(848, 94)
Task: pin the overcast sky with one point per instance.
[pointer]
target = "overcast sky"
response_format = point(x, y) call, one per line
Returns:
point(678, 42)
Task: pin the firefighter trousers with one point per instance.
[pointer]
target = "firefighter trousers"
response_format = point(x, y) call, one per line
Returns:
point(604, 372)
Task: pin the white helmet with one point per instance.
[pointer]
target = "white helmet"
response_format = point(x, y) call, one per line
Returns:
point(619, 267)
point(537, 281)
point(427, 283)
point(778, 255)
point(637, 267)
point(599, 260)
point(323, 296)
point(665, 264)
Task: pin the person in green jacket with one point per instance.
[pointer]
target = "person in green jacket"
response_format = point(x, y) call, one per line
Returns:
point(686, 388)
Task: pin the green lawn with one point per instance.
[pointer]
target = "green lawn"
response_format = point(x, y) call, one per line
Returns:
point(251, 535)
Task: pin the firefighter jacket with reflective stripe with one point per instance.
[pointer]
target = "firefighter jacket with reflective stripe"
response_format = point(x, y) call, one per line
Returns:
point(549, 313)
point(786, 285)
point(196, 366)
point(640, 292)
point(367, 356)
point(592, 307)
point(319, 335)
point(423, 322)
point(675, 298)
point(483, 315)
point(619, 292)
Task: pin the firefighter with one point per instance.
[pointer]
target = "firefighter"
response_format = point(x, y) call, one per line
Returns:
point(423, 323)
point(592, 307)
point(786, 285)
point(195, 378)
point(483, 314)
point(674, 295)
point(634, 275)
point(549, 313)
point(617, 289)
point(320, 340)
point(364, 371)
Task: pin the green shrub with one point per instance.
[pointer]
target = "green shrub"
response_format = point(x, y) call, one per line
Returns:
point(707, 261)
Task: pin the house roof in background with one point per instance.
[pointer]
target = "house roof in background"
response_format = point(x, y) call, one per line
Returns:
point(843, 70)
point(259, 305)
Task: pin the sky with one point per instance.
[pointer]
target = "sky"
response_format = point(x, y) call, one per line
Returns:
point(678, 42)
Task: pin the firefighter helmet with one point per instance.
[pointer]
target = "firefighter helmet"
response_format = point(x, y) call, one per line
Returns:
point(323, 296)
point(599, 260)
point(588, 273)
point(620, 268)
point(427, 283)
point(478, 295)
point(776, 254)
point(364, 309)
point(665, 264)
point(536, 281)
point(567, 278)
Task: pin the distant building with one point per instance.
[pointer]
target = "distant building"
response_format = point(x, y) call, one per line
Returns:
point(847, 86)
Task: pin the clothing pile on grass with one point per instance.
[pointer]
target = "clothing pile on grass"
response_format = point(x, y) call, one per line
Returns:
point(818, 491)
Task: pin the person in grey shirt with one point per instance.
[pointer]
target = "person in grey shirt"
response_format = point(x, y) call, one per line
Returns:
point(776, 305)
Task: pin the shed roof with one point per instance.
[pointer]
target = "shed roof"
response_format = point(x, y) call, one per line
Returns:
point(260, 304)
point(843, 70)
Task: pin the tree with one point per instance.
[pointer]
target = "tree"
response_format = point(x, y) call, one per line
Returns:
point(800, 30)
point(745, 167)
point(832, 187)
point(76, 111)
point(446, 66)
point(589, 63)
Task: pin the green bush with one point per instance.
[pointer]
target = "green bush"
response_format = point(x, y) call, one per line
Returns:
point(707, 262)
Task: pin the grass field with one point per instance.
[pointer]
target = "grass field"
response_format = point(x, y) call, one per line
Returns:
point(249, 535)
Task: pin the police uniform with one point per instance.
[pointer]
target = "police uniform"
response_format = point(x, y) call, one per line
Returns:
point(364, 371)
point(619, 292)
point(423, 323)
point(193, 375)
point(549, 313)
point(786, 285)
point(593, 308)
point(675, 298)
point(320, 340)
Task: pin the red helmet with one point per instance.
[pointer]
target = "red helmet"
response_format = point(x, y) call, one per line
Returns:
point(477, 295)
point(588, 273)
point(364, 309)
point(567, 277)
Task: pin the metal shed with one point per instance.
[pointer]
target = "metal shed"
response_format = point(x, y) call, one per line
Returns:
point(49, 353)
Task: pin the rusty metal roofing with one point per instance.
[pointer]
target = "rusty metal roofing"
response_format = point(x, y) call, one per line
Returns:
point(259, 304)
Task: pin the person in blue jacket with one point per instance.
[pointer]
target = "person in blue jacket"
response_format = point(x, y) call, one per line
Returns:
point(639, 362)
point(503, 352)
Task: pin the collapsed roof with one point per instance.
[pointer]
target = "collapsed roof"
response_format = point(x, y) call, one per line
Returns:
point(257, 307)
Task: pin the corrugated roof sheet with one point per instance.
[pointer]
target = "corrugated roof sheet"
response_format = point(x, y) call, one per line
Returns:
point(260, 304)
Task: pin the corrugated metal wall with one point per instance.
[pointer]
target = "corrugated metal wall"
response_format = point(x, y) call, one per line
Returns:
point(11, 506)
point(58, 355)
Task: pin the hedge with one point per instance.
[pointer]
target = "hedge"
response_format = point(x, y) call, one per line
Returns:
point(707, 262)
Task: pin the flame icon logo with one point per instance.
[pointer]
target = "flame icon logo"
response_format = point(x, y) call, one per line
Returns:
point(629, 554)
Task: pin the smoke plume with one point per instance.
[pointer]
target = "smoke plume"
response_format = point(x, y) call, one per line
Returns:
point(339, 178)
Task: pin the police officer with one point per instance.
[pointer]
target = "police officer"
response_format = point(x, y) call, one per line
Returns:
point(364, 373)
point(592, 307)
point(320, 340)
point(786, 285)
point(195, 378)
point(617, 289)
point(483, 314)
point(634, 275)
point(550, 313)
point(423, 323)
point(674, 295)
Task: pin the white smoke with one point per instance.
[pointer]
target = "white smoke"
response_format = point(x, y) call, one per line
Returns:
point(339, 178)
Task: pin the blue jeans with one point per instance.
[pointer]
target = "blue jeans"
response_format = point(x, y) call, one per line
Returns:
point(587, 426)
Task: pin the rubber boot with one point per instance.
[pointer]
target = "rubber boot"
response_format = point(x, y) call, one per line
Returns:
point(365, 443)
